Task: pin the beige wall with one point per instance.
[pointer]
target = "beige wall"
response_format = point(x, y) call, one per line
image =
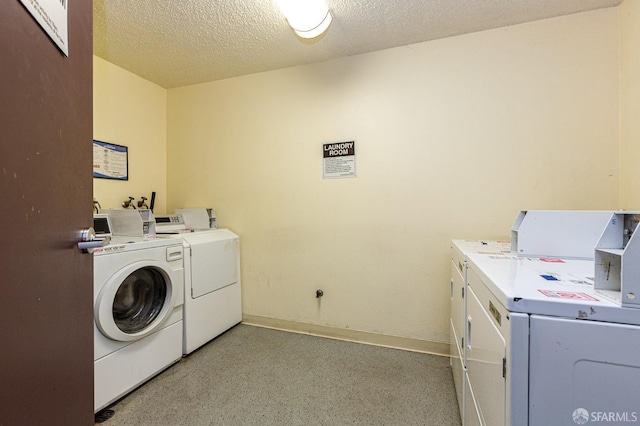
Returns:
point(630, 105)
point(131, 111)
point(453, 138)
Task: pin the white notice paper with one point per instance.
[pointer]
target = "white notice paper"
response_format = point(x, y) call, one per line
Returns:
point(339, 160)
point(52, 17)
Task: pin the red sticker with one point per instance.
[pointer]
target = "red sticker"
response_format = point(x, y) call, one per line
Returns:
point(545, 259)
point(568, 295)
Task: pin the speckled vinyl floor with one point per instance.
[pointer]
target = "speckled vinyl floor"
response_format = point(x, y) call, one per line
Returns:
point(258, 376)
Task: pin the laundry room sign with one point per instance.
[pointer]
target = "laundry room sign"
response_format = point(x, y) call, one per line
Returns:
point(339, 160)
point(52, 17)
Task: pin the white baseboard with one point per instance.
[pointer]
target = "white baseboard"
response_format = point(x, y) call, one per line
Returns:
point(396, 342)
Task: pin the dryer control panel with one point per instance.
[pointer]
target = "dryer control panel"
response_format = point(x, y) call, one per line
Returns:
point(170, 224)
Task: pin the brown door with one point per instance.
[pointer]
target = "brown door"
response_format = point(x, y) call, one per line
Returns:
point(46, 283)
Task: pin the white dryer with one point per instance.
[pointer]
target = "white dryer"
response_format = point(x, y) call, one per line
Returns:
point(213, 298)
point(458, 293)
point(138, 300)
point(543, 348)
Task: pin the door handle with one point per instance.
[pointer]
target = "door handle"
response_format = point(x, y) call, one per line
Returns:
point(469, 347)
point(88, 241)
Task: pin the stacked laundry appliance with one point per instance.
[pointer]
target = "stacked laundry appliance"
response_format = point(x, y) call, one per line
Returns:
point(542, 334)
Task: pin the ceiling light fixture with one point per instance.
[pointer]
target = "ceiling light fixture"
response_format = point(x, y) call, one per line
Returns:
point(308, 18)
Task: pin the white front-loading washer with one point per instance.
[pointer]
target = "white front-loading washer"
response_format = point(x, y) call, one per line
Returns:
point(138, 313)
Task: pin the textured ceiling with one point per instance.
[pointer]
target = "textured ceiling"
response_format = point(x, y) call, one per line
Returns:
point(178, 43)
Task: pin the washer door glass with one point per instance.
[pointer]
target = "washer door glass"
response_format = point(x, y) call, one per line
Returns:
point(139, 300)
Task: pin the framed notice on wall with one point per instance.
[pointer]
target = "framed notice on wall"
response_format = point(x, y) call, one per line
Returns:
point(52, 17)
point(339, 160)
point(110, 161)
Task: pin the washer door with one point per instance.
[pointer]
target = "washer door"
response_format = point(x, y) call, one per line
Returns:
point(135, 301)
